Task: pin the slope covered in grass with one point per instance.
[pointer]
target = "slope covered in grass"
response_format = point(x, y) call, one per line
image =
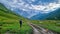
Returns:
point(9, 22)
point(53, 25)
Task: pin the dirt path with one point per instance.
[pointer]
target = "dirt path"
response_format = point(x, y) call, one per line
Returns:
point(40, 30)
point(35, 31)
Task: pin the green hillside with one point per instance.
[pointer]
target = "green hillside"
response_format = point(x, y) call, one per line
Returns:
point(53, 25)
point(55, 15)
point(9, 22)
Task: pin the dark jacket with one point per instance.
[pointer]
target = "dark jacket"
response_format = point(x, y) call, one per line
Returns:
point(20, 22)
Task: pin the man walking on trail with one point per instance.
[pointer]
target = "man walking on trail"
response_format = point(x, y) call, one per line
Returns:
point(20, 23)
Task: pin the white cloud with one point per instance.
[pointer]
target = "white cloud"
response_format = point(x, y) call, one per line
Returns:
point(33, 0)
point(29, 7)
point(52, 7)
point(49, 7)
point(39, 7)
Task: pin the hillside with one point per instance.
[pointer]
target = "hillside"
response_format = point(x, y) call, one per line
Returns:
point(55, 15)
point(39, 17)
point(9, 22)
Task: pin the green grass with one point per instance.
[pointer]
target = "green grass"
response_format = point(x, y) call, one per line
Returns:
point(9, 22)
point(53, 25)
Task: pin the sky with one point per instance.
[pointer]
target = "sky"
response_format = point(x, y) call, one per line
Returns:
point(44, 6)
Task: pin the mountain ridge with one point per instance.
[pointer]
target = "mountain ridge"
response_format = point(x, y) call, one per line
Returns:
point(45, 16)
point(55, 15)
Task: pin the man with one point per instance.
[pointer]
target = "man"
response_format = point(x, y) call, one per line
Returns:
point(20, 23)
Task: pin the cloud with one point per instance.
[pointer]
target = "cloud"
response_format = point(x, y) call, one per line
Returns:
point(22, 5)
point(50, 6)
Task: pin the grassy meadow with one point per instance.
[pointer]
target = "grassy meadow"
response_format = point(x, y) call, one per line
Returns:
point(53, 25)
point(9, 22)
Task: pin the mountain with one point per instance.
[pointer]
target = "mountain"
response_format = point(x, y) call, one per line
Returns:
point(26, 13)
point(39, 16)
point(52, 15)
point(55, 15)
point(3, 10)
point(21, 12)
point(7, 14)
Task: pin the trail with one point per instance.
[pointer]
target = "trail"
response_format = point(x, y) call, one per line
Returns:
point(35, 31)
point(40, 30)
